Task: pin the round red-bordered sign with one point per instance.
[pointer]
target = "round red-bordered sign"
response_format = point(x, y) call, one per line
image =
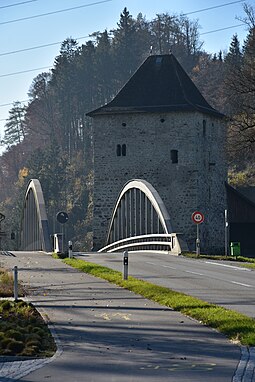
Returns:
point(197, 217)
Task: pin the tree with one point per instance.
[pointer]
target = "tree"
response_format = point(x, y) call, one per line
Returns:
point(179, 35)
point(126, 48)
point(241, 86)
point(15, 131)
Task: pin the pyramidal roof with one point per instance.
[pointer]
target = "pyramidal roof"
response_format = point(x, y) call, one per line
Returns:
point(159, 85)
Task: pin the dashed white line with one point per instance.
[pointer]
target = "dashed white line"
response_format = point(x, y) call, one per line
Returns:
point(195, 273)
point(245, 285)
point(163, 266)
point(167, 266)
point(229, 266)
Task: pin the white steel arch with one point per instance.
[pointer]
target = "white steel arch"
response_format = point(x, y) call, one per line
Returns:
point(138, 197)
point(34, 223)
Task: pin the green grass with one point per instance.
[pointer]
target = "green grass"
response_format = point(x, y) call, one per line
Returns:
point(245, 262)
point(236, 326)
point(6, 284)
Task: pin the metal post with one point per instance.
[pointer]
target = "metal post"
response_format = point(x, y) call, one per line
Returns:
point(125, 265)
point(70, 249)
point(15, 271)
point(226, 233)
point(198, 242)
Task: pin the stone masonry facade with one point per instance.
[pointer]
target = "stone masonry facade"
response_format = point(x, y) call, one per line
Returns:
point(180, 153)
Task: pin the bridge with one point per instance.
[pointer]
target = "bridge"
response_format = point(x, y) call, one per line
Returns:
point(140, 221)
point(35, 235)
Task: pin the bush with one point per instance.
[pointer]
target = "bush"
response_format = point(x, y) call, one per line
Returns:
point(6, 305)
point(15, 347)
point(15, 334)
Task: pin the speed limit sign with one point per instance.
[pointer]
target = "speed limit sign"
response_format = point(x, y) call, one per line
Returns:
point(197, 217)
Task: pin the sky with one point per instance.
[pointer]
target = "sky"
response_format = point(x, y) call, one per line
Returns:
point(29, 24)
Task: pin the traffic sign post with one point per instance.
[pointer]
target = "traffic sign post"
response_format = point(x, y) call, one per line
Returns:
point(197, 218)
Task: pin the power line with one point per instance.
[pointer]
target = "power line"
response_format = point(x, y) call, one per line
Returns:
point(11, 103)
point(214, 7)
point(14, 5)
point(55, 12)
point(48, 67)
point(24, 71)
point(223, 29)
point(38, 47)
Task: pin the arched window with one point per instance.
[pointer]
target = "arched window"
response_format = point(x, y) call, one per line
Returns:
point(124, 150)
point(118, 150)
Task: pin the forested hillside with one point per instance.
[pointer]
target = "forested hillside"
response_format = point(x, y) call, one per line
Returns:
point(51, 139)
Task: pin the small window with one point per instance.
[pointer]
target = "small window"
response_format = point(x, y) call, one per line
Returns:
point(124, 150)
point(204, 127)
point(174, 156)
point(118, 150)
point(121, 150)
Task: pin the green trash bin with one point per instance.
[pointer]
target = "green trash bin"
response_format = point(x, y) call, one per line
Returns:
point(235, 248)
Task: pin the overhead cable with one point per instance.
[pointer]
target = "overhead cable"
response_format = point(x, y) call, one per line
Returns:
point(14, 5)
point(55, 12)
point(214, 7)
point(38, 47)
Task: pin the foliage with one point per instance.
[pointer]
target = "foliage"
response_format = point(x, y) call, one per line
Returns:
point(15, 129)
point(238, 178)
point(23, 332)
point(234, 325)
point(51, 137)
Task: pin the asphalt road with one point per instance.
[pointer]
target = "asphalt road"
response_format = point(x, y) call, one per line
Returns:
point(222, 283)
point(108, 334)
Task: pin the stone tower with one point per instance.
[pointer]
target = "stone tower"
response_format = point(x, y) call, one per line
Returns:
point(161, 129)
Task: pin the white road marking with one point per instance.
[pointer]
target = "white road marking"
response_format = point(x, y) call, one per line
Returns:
point(147, 262)
point(195, 273)
point(229, 266)
point(245, 285)
point(164, 266)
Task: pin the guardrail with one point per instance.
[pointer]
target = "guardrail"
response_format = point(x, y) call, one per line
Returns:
point(168, 243)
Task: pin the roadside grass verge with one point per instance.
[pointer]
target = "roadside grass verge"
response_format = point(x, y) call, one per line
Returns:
point(247, 262)
point(236, 326)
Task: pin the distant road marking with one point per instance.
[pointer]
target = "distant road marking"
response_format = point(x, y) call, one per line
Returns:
point(195, 273)
point(229, 266)
point(167, 266)
point(164, 266)
point(245, 285)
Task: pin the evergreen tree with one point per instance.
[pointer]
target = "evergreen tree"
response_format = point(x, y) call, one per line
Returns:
point(15, 130)
point(125, 48)
point(234, 55)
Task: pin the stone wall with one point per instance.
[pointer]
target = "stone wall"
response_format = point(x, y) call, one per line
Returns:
point(196, 182)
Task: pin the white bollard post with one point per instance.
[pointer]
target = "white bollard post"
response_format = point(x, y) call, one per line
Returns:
point(15, 271)
point(125, 265)
point(70, 249)
point(198, 242)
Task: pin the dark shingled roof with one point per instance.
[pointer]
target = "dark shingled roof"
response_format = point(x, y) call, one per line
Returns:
point(159, 85)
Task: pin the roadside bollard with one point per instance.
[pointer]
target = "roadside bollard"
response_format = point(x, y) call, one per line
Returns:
point(198, 247)
point(70, 249)
point(15, 289)
point(125, 265)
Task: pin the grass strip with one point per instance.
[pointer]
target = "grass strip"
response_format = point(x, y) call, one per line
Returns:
point(236, 326)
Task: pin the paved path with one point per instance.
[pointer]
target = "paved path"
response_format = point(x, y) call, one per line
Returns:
point(108, 334)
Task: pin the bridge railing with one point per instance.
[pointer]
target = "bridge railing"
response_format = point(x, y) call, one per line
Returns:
point(167, 243)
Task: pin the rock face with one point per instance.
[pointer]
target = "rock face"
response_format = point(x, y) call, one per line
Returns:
point(160, 128)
